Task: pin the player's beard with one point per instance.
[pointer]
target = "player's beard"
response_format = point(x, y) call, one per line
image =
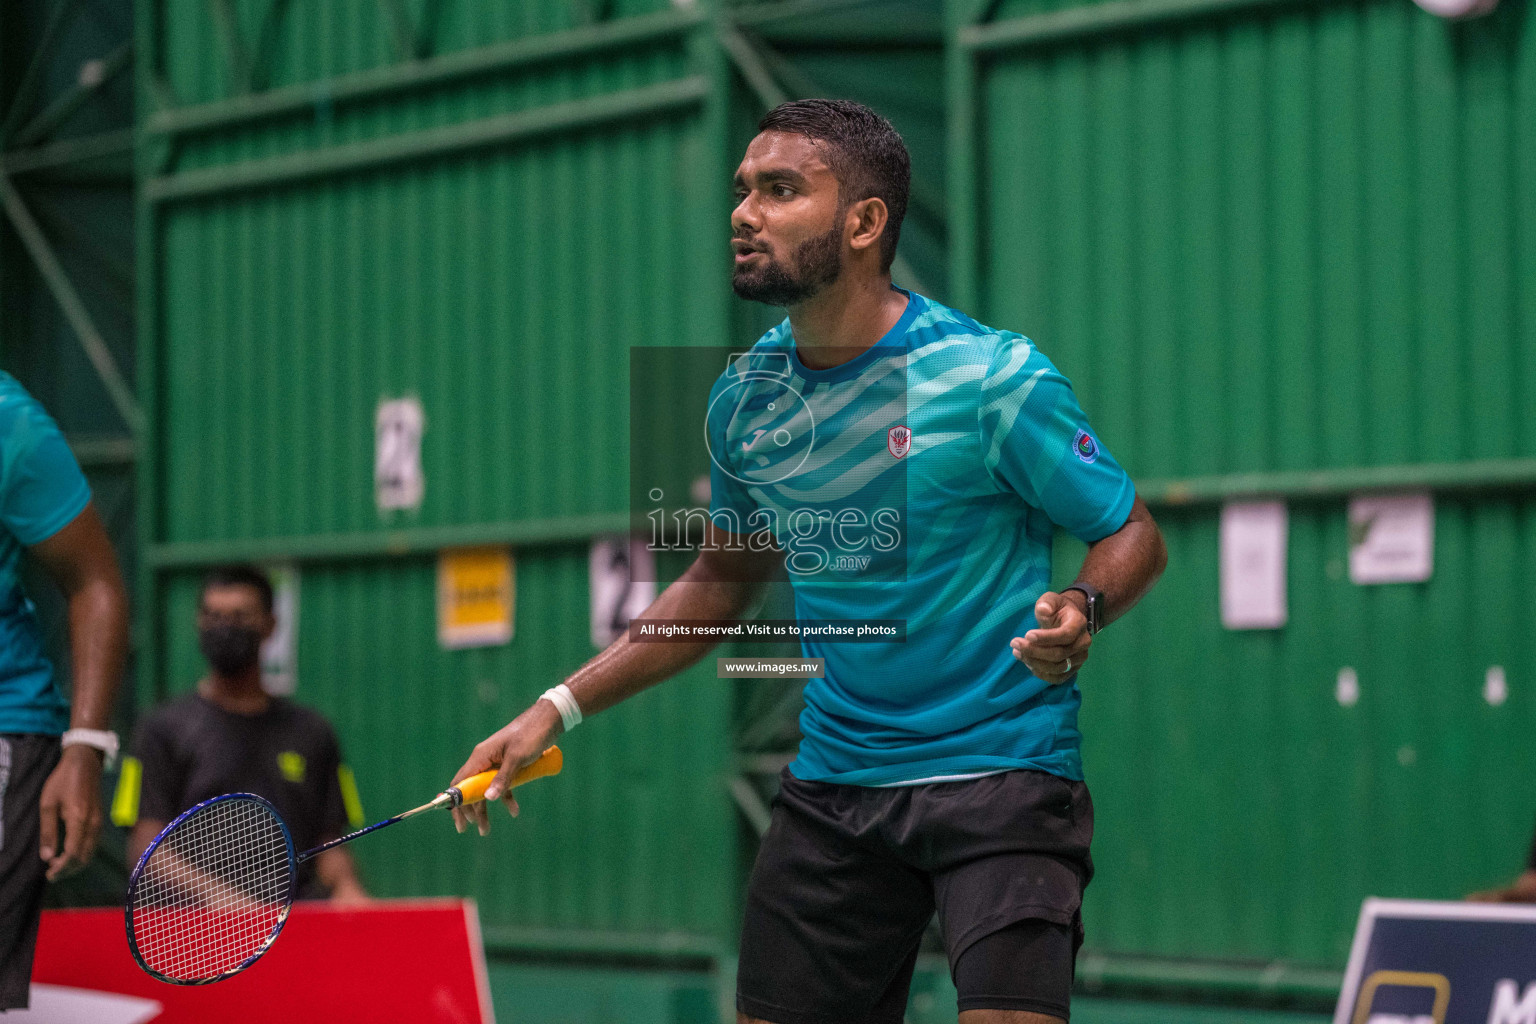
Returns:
point(817, 263)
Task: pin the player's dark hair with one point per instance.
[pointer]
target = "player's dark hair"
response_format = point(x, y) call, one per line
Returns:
point(243, 575)
point(864, 152)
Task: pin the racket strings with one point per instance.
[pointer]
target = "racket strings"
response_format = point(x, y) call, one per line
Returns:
point(213, 892)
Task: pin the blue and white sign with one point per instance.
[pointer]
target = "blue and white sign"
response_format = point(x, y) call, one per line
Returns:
point(1424, 962)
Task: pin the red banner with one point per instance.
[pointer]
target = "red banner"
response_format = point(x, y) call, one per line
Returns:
point(405, 961)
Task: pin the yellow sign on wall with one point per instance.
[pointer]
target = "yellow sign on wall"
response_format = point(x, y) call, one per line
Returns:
point(476, 588)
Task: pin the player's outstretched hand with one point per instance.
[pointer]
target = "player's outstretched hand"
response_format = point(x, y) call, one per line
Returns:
point(1057, 648)
point(515, 744)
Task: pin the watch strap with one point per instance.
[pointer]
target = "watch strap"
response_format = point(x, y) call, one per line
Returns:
point(1095, 602)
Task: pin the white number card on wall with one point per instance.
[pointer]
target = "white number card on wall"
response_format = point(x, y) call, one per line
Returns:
point(279, 654)
point(623, 576)
point(1391, 538)
point(397, 478)
point(1253, 541)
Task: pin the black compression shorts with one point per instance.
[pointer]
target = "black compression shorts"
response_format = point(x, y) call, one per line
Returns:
point(848, 877)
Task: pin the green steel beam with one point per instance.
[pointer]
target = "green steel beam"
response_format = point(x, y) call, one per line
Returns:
point(664, 98)
point(92, 451)
point(511, 940)
point(63, 108)
point(517, 54)
point(750, 63)
point(791, 10)
point(1481, 475)
point(1098, 19)
point(266, 44)
point(385, 543)
point(1272, 981)
point(32, 78)
point(983, 12)
point(68, 298)
point(149, 612)
point(70, 151)
point(237, 58)
point(401, 31)
point(960, 88)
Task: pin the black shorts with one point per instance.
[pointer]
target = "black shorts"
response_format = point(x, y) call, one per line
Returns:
point(25, 763)
point(848, 877)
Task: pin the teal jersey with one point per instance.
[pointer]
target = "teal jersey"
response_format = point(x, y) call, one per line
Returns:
point(41, 491)
point(919, 481)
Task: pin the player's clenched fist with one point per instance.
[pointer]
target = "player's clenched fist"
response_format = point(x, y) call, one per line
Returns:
point(1058, 646)
point(515, 744)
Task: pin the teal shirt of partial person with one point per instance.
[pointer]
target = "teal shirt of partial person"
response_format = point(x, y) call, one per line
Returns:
point(921, 481)
point(41, 491)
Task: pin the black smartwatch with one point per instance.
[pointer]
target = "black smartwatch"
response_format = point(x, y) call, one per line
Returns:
point(1095, 598)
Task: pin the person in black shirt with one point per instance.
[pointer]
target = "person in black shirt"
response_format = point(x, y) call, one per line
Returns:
point(230, 735)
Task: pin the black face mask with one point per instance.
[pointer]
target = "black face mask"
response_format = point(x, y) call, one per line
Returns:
point(232, 650)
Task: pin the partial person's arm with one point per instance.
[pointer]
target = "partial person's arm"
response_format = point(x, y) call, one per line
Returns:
point(80, 560)
point(724, 583)
point(337, 871)
point(143, 833)
point(1521, 890)
point(1123, 566)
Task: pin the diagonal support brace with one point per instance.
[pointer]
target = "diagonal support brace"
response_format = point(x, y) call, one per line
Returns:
point(69, 301)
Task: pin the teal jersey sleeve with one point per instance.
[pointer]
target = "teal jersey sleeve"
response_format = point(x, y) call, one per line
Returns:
point(42, 488)
point(1037, 443)
point(730, 505)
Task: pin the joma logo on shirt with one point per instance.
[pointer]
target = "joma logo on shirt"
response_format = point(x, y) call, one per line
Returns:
point(291, 764)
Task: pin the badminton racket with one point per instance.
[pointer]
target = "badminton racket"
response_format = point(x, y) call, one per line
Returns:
point(210, 895)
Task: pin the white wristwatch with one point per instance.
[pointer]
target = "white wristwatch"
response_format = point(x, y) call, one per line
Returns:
point(102, 739)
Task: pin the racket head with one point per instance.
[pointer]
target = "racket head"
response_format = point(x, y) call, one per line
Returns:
point(211, 893)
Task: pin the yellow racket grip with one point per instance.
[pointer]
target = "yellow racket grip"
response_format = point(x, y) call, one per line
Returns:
point(472, 789)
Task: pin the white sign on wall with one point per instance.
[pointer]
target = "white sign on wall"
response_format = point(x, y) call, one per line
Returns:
point(279, 654)
point(1456, 9)
point(1253, 582)
point(623, 577)
point(1391, 538)
point(397, 478)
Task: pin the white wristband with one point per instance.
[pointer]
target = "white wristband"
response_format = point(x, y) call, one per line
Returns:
point(565, 703)
point(101, 739)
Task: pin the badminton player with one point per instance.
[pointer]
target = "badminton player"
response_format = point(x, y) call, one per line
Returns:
point(903, 462)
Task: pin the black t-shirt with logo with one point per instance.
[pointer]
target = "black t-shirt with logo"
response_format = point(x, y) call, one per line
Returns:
point(191, 750)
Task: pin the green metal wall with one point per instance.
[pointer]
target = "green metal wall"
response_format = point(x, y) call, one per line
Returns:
point(486, 218)
point(1281, 249)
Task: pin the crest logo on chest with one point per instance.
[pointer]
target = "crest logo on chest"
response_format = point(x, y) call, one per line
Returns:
point(899, 441)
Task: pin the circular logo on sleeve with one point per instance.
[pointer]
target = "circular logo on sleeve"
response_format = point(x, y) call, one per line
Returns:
point(1087, 448)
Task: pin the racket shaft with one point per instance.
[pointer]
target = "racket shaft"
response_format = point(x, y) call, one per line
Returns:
point(471, 790)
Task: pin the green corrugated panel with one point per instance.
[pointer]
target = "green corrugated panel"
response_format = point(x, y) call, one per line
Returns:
point(1242, 812)
point(634, 838)
point(1280, 244)
point(545, 994)
point(502, 288)
point(284, 44)
point(1298, 239)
